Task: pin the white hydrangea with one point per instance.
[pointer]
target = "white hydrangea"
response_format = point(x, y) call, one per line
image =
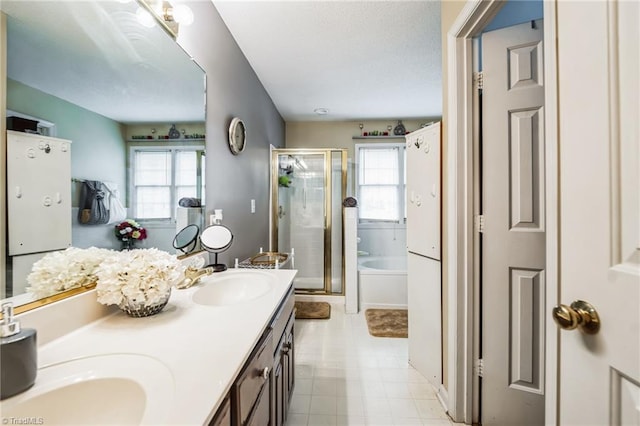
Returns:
point(143, 277)
point(64, 270)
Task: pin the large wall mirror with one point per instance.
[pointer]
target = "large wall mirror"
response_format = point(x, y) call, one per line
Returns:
point(131, 102)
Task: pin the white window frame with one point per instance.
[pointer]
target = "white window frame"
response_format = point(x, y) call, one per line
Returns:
point(402, 178)
point(174, 203)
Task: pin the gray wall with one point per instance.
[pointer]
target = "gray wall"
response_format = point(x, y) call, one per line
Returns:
point(233, 90)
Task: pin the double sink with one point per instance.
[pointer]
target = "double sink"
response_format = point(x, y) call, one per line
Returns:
point(124, 388)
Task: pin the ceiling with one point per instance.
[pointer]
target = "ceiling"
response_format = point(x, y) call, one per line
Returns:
point(358, 59)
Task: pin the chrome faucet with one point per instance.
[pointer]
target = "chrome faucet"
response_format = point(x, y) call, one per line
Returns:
point(192, 276)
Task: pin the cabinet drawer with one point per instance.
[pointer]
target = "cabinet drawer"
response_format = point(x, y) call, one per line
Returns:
point(253, 378)
point(279, 322)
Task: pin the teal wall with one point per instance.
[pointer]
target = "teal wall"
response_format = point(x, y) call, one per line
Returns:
point(98, 149)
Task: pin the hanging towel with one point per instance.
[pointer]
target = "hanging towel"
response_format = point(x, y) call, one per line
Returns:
point(93, 208)
point(117, 212)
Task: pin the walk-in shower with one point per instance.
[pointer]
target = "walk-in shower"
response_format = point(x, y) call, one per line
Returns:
point(307, 189)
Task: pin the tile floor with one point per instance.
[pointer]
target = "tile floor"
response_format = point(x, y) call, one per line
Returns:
point(344, 376)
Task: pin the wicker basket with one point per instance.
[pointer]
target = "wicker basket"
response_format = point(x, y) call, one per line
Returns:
point(269, 258)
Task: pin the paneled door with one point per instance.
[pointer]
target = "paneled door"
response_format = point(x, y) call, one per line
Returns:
point(513, 238)
point(599, 221)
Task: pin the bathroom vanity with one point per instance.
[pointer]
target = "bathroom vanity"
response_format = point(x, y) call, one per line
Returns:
point(221, 352)
point(261, 393)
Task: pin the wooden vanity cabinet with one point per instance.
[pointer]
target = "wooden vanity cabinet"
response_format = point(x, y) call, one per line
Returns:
point(261, 393)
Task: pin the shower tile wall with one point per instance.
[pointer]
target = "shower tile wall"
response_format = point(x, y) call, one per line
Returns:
point(383, 239)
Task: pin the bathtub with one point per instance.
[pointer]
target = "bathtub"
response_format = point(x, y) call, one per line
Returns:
point(382, 282)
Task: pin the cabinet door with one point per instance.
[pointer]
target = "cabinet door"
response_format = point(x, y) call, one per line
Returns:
point(423, 192)
point(288, 362)
point(254, 381)
point(38, 193)
point(260, 415)
point(223, 416)
point(278, 406)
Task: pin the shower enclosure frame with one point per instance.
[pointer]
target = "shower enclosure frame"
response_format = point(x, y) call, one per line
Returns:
point(328, 196)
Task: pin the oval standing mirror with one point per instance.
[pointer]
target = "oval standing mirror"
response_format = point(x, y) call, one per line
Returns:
point(186, 239)
point(216, 239)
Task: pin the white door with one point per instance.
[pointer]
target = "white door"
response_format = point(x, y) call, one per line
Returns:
point(513, 239)
point(599, 214)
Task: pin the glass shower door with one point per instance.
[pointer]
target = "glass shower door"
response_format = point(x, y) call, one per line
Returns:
point(301, 221)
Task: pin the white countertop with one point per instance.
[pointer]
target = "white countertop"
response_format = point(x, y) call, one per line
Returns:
point(204, 347)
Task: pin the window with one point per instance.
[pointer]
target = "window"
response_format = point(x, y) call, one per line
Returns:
point(160, 177)
point(381, 182)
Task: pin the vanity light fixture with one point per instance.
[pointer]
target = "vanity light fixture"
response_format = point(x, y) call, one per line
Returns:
point(321, 111)
point(171, 16)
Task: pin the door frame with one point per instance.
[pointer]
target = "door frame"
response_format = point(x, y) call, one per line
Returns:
point(462, 186)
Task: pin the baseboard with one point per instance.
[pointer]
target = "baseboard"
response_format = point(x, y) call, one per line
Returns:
point(365, 306)
point(443, 397)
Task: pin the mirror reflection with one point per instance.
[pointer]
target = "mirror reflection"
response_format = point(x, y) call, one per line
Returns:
point(127, 105)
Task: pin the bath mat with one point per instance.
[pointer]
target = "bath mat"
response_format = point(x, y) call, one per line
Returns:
point(387, 322)
point(313, 310)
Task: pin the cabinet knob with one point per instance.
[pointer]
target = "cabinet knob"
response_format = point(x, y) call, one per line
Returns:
point(265, 373)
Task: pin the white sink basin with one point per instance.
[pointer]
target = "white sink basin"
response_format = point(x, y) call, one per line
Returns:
point(233, 287)
point(113, 389)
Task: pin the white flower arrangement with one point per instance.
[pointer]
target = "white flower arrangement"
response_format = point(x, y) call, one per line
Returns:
point(64, 270)
point(143, 277)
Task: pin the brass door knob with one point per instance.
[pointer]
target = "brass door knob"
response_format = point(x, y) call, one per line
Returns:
point(580, 314)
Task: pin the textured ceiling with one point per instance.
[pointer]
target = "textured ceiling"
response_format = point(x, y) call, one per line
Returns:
point(98, 56)
point(359, 59)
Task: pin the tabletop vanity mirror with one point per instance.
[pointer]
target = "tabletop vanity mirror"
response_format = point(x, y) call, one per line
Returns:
point(186, 239)
point(216, 239)
point(93, 73)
